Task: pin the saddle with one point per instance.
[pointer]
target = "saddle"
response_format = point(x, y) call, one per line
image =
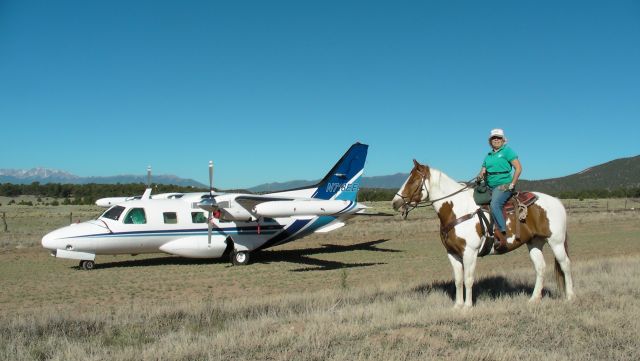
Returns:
point(518, 204)
point(517, 200)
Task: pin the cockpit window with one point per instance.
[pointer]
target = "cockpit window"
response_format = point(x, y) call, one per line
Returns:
point(135, 216)
point(113, 213)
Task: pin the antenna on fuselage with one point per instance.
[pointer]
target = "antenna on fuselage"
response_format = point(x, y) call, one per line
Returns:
point(147, 192)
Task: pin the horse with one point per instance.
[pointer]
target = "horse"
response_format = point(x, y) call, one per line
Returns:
point(461, 231)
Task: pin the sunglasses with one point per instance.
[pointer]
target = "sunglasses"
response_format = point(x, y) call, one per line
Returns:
point(494, 138)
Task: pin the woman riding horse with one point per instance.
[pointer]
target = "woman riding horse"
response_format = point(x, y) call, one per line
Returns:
point(462, 235)
point(496, 168)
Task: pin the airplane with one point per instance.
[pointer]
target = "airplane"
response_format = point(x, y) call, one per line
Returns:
point(235, 224)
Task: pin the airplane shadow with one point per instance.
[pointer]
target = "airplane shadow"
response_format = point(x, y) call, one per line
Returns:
point(492, 287)
point(300, 256)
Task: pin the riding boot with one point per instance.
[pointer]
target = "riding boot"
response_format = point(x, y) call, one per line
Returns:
point(500, 242)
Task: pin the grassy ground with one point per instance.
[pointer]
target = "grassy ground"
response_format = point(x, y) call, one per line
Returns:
point(379, 288)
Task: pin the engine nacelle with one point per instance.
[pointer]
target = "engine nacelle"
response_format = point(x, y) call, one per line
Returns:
point(108, 202)
point(236, 214)
point(275, 209)
point(194, 247)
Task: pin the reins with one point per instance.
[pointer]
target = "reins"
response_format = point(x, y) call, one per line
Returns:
point(409, 206)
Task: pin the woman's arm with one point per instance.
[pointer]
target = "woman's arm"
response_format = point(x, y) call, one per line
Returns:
point(516, 175)
point(482, 173)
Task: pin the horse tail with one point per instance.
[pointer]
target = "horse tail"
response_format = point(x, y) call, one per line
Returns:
point(560, 277)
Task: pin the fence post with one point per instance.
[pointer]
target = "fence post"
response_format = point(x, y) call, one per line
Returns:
point(625, 204)
point(70, 217)
point(4, 220)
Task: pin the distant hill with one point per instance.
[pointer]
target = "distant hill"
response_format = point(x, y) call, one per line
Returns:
point(44, 175)
point(385, 181)
point(616, 174)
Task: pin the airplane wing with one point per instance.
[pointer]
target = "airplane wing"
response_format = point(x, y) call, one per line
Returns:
point(249, 202)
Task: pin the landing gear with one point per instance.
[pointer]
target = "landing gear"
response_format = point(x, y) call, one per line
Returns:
point(87, 265)
point(239, 258)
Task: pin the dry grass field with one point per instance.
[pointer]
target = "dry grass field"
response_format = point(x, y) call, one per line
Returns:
point(380, 288)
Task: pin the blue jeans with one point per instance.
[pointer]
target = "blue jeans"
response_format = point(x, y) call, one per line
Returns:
point(499, 197)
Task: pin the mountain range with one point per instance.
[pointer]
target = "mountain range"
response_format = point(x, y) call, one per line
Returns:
point(45, 175)
point(616, 174)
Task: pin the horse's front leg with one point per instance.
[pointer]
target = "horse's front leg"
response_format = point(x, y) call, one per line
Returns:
point(535, 253)
point(456, 264)
point(469, 257)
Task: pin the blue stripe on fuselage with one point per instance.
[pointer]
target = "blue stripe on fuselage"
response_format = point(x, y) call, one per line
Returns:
point(267, 229)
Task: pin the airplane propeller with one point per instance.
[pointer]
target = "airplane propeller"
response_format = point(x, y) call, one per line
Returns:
point(209, 220)
point(209, 204)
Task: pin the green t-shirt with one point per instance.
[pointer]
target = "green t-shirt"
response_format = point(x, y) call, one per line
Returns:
point(498, 165)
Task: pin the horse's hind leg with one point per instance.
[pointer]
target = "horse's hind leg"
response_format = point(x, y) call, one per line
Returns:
point(535, 253)
point(456, 264)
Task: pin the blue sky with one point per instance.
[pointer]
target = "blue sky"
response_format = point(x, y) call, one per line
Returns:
point(278, 90)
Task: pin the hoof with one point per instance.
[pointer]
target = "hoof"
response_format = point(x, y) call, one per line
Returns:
point(535, 299)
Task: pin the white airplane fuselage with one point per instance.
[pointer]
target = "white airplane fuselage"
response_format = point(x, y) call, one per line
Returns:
point(175, 226)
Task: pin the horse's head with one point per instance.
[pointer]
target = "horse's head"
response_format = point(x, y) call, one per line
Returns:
point(414, 190)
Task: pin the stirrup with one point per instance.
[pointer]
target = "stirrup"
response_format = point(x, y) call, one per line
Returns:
point(498, 245)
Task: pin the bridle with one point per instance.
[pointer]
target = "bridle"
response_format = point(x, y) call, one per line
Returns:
point(409, 205)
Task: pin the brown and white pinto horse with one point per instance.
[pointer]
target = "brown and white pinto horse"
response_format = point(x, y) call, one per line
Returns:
point(461, 232)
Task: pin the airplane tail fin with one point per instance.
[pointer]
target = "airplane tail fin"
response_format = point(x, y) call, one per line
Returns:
point(343, 180)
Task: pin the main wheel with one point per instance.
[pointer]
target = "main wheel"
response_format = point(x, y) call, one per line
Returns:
point(240, 258)
point(87, 265)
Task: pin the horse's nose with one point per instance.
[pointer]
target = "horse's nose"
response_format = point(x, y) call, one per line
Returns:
point(396, 203)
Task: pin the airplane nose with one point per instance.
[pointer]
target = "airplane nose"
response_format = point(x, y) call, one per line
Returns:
point(49, 241)
point(74, 237)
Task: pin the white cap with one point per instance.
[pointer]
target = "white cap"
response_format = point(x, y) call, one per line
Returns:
point(497, 133)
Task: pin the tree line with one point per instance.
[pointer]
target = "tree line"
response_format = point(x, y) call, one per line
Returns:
point(88, 193)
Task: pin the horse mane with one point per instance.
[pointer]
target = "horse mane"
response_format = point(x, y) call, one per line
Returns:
point(442, 179)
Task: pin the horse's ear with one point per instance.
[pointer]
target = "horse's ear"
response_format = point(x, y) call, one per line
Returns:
point(415, 162)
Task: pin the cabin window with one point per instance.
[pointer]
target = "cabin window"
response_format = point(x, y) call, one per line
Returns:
point(170, 217)
point(135, 216)
point(113, 213)
point(198, 217)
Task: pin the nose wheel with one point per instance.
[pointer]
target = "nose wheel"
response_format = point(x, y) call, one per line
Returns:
point(239, 258)
point(87, 265)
